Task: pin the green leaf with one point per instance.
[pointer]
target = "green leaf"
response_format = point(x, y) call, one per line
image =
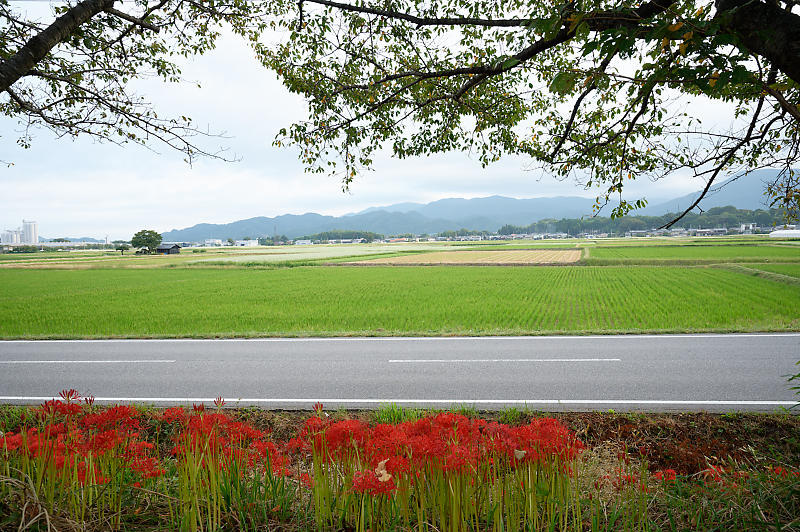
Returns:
point(564, 82)
point(583, 30)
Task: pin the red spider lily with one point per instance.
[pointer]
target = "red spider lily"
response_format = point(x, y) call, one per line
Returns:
point(70, 395)
point(369, 482)
point(79, 442)
point(266, 453)
point(622, 479)
point(11, 441)
point(89, 400)
point(713, 474)
point(117, 416)
point(403, 462)
point(779, 471)
point(667, 475)
point(176, 413)
point(306, 480)
point(54, 407)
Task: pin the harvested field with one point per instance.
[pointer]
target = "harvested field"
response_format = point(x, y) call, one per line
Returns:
point(484, 258)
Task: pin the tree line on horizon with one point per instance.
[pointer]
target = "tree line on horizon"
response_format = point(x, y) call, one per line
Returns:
point(728, 216)
point(343, 235)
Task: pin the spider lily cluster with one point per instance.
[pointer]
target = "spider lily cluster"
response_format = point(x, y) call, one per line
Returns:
point(123, 467)
point(449, 471)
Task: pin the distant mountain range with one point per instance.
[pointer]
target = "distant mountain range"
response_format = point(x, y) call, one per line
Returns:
point(741, 192)
point(488, 213)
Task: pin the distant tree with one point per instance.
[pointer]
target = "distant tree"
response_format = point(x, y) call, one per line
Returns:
point(24, 249)
point(146, 239)
point(730, 217)
point(122, 247)
point(60, 240)
point(231, 241)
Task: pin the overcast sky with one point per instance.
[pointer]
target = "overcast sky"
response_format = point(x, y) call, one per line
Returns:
point(83, 188)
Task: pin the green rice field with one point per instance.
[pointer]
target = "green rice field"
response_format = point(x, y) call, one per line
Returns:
point(729, 252)
point(792, 270)
point(389, 301)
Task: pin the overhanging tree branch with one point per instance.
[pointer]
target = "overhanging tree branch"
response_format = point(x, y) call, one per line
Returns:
point(728, 156)
point(38, 46)
point(133, 20)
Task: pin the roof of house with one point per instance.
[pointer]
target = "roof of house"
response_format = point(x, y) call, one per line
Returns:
point(167, 246)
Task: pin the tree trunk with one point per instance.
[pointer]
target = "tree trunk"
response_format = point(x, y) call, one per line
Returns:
point(38, 46)
point(765, 30)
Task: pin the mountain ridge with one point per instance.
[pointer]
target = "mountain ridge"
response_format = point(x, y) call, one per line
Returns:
point(448, 214)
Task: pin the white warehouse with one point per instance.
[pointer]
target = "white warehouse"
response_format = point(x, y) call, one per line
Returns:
point(785, 233)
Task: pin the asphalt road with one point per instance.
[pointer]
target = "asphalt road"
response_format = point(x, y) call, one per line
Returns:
point(643, 373)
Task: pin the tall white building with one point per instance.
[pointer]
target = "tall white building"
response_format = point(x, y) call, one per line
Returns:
point(10, 236)
point(30, 232)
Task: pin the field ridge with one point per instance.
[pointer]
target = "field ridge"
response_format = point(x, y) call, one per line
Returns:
point(763, 274)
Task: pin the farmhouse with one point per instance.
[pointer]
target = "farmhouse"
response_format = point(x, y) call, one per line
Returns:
point(168, 249)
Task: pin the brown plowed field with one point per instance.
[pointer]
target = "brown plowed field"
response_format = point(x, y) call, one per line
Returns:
point(508, 257)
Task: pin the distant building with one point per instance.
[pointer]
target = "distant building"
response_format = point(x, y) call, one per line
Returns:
point(10, 236)
point(30, 232)
point(302, 242)
point(168, 249)
point(785, 233)
point(246, 243)
point(213, 242)
point(718, 231)
point(747, 228)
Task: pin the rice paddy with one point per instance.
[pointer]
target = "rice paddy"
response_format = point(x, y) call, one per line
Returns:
point(455, 300)
point(792, 270)
point(591, 286)
point(728, 252)
point(512, 257)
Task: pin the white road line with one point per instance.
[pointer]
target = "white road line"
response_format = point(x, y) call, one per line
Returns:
point(415, 338)
point(310, 401)
point(144, 361)
point(447, 360)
